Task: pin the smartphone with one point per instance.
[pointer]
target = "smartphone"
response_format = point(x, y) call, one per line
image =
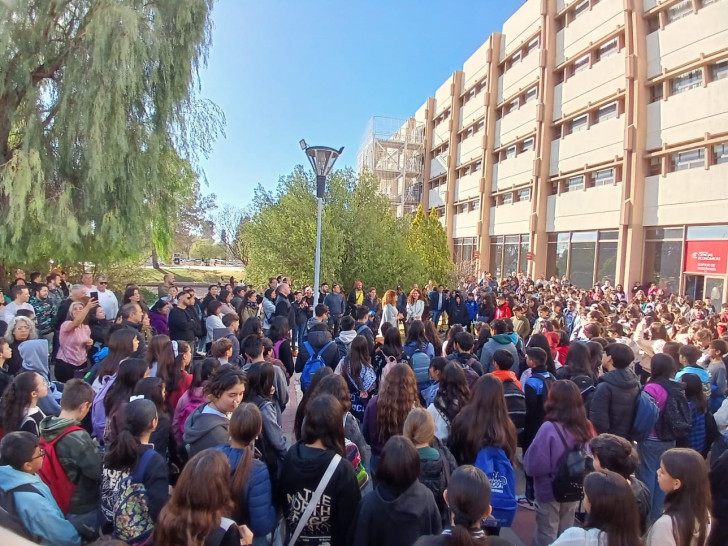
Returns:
point(94, 295)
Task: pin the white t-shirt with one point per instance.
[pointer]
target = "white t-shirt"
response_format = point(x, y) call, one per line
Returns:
point(11, 309)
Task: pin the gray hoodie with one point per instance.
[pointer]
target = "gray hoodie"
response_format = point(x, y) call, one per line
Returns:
point(34, 353)
point(203, 430)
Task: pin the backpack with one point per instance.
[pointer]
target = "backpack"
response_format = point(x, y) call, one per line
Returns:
point(193, 402)
point(471, 376)
point(496, 465)
point(133, 523)
point(516, 403)
point(277, 348)
point(9, 518)
point(361, 329)
point(645, 417)
point(420, 364)
point(390, 362)
point(586, 388)
point(568, 483)
point(98, 412)
point(315, 362)
point(52, 472)
point(428, 395)
point(354, 457)
point(675, 419)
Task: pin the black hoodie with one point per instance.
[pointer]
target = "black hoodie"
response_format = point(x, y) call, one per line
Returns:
point(614, 402)
point(318, 336)
point(301, 473)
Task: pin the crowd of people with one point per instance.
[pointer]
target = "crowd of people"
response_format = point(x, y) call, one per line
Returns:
point(130, 423)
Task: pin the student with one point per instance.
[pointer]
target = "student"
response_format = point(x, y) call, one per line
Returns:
point(152, 388)
point(36, 508)
point(565, 426)
point(222, 349)
point(400, 509)
point(451, 397)
point(536, 390)
point(463, 354)
point(437, 366)
point(468, 496)
point(6, 353)
point(360, 377)
point(208, 425)
point(685, 520)
point(717, 372)
point(515, 398)
point(612, 452)
point(195, 514)
point(612, 513)
point(131, 371)
point(201, 371)
point(250, 482)
point(615, 398)
point(20, 403)
point(316, 378)
point(257, 350)
point(176, 379)
point(78, 454)
point(303, 469)
point(416, 340)
point(131, 454)
point(703, 430)
point(689, 356)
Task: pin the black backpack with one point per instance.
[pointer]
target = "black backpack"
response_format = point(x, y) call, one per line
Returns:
point(9, 518)
point(675, 420)
point(568, 483)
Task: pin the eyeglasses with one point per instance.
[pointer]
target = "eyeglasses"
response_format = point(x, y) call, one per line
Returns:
point(40, 455)
point(103, 282)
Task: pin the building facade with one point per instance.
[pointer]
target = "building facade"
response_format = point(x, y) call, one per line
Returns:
point(589, 138)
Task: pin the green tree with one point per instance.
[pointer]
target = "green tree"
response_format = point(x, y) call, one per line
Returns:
point(194, 220)
point(94, 97)
point(428, 240)
point(206, 249)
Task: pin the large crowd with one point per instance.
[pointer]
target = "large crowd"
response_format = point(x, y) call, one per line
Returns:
point(134, 422)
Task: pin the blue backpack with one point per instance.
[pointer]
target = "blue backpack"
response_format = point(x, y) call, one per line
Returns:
point(315, 362)
point(645, 417)
point(420, 363)
point(496, 465)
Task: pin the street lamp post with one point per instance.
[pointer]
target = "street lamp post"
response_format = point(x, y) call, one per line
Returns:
point(322, 160)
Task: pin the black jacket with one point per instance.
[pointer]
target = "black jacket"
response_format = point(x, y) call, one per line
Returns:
point(367, 333)
point(435, 474)
point(181, 325)
point(458, 313)
point(284, 309)
point(614, 402)
point(317, 339)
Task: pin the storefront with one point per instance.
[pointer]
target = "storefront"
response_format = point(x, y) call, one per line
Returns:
point(508, 255)
point(585, 257)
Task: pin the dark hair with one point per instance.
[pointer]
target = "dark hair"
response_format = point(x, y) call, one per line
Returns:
point(416, 333)
point(537, 354)
point(596, 350)
point(17, 448)
point(252, 346)
point(613, 508)
point(392, 343)
point(564, 405)
point(470, 432)
point(213, 307)
point(621, 354)
point(690, 353)
point(356, 360)
point(320, 310)
point(202, 370)
point(159, 305)
point(171, 372)
point(151, 388)
point(120, 347)
point(336, 386)
point(690, 503)
point(615, 454)
point(75, 393)
point(468, 496)
point(251, 327)
point(453, 393)
point(431, 335)
point(161, 351)
point(464, 342)
point(503, 359)
point(307, 397)
point(324, 422)
point(694, 391)
point(17, 398)
point(279, 329)
point(541, 341)
point(128, 293)
point(131, 371)
point(229, 318)
point(399, 465)
point(124, 450)
point(438, 363)
point(246, 423)
point(450, 339)
point(662, 366)
point(223, 379)
point(261, 377)
point(577, 360)
point(361, 312)
point(222, 296)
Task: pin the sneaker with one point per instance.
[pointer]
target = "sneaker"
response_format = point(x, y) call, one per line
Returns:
point(523, 502)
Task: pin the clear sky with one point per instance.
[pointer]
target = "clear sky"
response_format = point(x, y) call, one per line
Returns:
point(283, 70)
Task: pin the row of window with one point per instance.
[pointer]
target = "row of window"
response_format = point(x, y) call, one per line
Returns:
point(516, 196)
point(694, 158)
point(529, 95)
point(474, 91)
point(689, 80)
point(584, 121)
point(580, 182)
point(574, 12)
point(591, 58)
point(443, 116)
point(515, 149)
point(473, 167)
point(469, 206)
point(675, 12)
point(472, 130)
point(530, 47)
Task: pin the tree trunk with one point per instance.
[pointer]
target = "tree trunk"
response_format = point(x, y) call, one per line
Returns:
point(155, 259)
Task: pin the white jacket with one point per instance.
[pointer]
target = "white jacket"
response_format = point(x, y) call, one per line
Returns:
point(576, 536)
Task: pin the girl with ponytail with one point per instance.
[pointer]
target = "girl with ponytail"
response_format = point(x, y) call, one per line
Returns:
point(20, 403)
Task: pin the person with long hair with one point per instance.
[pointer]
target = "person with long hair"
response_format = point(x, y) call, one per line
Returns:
point(387, 410)
point(415, 306)
point(132, 453)
point(160, 349)
point(174, 374)
point(20, 403)
point(303, 468)
point(195, 514)
point(251, 326)
point(158, 317)
point(317, 377)
point(448, 345)
point(201, 371)
point(651, 341)
point(468, 496)
point(390, 351)
point(133, 295)
point(685, 520)
point(390, 313)
point(213, 321)
point(360, 377)
point(250, 483)
point(577, 363)
point(433, 337)
point(131, 371)
point(152, 388)
point(401, 508)
point(565, 427)
point(452, 396)
point(123, 344)
point(280, 335)
point(703, 421)
point(261, 379)
point(612, 517)
point(19, 329)
point(417, 341)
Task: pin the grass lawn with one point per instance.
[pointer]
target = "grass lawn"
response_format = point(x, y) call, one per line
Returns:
point(210, 275)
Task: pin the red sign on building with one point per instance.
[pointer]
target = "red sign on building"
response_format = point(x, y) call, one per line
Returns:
point(476, 255)
point(707, 257)
point(529, 256)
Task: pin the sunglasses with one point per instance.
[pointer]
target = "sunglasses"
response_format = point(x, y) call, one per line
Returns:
point(103, 282)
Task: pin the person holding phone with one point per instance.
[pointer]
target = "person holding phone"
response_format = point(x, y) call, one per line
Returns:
point(74, 342)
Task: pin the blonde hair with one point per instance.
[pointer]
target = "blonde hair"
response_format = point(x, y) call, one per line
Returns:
point(419, 427)
point(390, 297)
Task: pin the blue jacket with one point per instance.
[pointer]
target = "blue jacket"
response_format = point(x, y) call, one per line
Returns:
point(472, 308)
point(38, 511)
point(258, 493)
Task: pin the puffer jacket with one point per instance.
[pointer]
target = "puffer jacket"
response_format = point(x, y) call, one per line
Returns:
point(614, 402)
point(436, 466)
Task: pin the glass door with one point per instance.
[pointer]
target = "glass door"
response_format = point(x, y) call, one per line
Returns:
point(714, 291)
point(694, 285)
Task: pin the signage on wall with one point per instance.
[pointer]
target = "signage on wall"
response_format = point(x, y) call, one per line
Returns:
point(529, 256)
point(707, 257)
point(476, 255)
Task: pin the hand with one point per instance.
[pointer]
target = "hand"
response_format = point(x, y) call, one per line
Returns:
point(246, 535)
point(92, 302)
point(89, 343)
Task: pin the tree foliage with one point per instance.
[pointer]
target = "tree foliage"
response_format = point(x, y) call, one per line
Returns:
point(206, 249)
point(231, 223)
point(361, 237)
point(100, 123)
point(428, 240)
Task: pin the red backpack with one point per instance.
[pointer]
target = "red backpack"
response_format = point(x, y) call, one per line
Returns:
point(52, 472)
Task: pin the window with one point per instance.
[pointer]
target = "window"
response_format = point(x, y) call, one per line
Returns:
point(690, 159)
point(653, 23)
point(480, 126)
point(474, 205)
point(656, 92)
point(687, 81)
point(478, 165)
point(581, 63)
point(533, 44)
point(608, 49)
point(510, 152)
point(579, 124)
point(575, 183)
point(531, 94)
point(654, 167)
point(527, 144)
point(524, 194)
point(580, 8)
point(679, 10)
point(719, 71)
point(607, 112)
point(604, 177)
point(513, 105)
point(515, 59)
point(507, 198)
point(720, 153)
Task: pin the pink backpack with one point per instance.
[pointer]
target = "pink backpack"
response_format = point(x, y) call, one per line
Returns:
point(277, 348)
point(191, 401)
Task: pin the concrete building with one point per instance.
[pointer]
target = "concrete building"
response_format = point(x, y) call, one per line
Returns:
point(589, 138)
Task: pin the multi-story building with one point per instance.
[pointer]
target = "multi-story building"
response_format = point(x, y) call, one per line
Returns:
point(589, 138)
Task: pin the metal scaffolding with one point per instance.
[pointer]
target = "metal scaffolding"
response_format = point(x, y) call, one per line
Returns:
point(393, 149)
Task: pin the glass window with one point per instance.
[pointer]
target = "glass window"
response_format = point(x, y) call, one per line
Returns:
point(690, 159)
point(528, 144)
point(663, 263)
point(607, 49)
point(507, 198)
point(656, 92)
point(581, 63)
point(655, 166)
point(575, 183)
point(583, 255)
point(603, 178)
point(720, 152)
point(562, 254)
point(608, 235)
point(516, 58)
point(719, 71)
point(579, 124)
point(583, 236)
point(687, 81)
point(524, 194)
point(478, 165)
point(531, 94)
point(707, 233)
point(513, 105)
point(523, 257)
point(679, 10)
point(660, 234)
point(510, 257)
point(510, 152)
point(607, 262)
point(580, 8)
point(496, 259)
point(607, 112)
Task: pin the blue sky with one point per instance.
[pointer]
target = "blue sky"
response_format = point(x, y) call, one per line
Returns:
point(283, 70)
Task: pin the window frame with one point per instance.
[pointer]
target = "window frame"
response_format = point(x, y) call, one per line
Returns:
point(580, 127)
point(604, 113)
point(609, 180)
point(685, 82)
point(571, 183)
point(678, 163)
point(582, 63)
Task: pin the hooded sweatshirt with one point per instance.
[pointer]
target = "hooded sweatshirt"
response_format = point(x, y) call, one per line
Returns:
point(203, 430)
point(38, 512)
point(389, 516)
point(34, 353)
point(80, 458)
point(317, 338)
point(495, 343)
point(343, 342)
point(614, 402)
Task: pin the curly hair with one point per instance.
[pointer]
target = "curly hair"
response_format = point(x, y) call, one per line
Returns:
point(11, 326)
point(396, 399)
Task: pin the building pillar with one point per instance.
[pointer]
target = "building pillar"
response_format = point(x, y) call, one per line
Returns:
point(427, 167)
point(456, 85)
